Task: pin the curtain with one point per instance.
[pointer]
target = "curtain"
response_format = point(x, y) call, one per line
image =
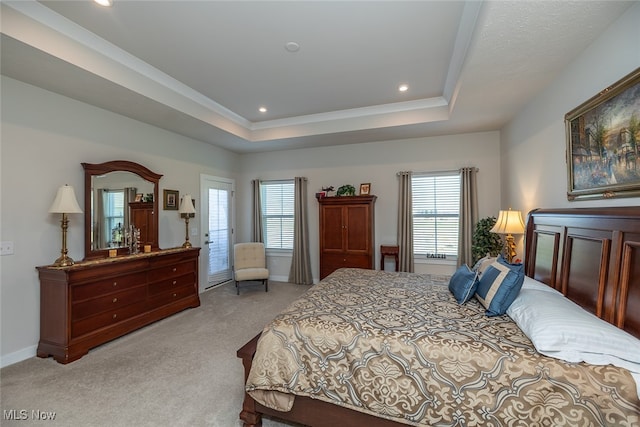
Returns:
point(257, 212)
point(468, 214)
point(300, 272)
point(99, 238)
point(405, 223)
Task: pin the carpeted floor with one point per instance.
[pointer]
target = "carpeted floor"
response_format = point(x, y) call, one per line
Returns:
point(181, 371)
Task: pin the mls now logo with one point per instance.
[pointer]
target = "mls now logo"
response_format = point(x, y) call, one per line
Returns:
point(23, 414)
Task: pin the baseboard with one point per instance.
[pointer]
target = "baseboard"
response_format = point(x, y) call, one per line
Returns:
point(18, 356)
point(279, 278)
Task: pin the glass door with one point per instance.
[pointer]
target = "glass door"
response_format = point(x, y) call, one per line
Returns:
point(217, 197)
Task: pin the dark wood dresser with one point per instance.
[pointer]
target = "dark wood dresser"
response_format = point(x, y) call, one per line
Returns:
point(346, 233)
point(87, 304)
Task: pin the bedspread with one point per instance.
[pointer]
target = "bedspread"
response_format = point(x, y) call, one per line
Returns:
point(398, 346)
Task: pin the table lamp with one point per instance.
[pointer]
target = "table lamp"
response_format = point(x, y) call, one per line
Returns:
point(64, 203)
point(187, 210)
point(509, 223)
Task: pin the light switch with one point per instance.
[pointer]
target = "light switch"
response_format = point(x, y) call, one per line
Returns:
point(6, 248)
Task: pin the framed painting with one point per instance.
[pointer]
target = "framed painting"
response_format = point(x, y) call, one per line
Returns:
point(603, 157)
point(171, 198)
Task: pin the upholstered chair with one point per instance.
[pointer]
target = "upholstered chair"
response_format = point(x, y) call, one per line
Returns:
point(250, 264)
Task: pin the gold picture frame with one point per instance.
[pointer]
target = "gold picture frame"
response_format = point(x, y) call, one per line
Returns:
point(603, 133)
point(365, 189)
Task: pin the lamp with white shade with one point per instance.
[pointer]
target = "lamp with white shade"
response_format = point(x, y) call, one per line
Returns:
point(187, 210)
point(509, 223)
point(64, 203)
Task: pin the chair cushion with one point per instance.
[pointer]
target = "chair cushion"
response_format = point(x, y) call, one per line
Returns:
point(251, 274)
point(249, 255)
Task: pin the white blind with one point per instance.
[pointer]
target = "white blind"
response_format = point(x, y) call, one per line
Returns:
point(436, 212)
point(219, 264)
point(277, 213)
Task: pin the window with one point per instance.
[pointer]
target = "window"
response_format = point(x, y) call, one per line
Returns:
point(436, 212)
point(114, 216)
point(277, 214)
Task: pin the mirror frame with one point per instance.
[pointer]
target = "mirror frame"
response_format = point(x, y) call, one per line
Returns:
point(92, 169)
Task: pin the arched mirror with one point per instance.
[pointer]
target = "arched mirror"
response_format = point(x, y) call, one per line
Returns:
point(118, 195)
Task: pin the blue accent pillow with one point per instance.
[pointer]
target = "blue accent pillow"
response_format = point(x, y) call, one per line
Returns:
point(499, 285)
point(463, 284)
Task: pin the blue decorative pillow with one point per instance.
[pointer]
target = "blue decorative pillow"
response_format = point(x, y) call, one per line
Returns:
point(499, 286)
point(463, 284)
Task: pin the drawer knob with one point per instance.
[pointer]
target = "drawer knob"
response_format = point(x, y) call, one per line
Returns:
point(174, 282)
point(115, 300)
point(174, 269)
point(174, 295)
point(115, 315)
point(115, 284)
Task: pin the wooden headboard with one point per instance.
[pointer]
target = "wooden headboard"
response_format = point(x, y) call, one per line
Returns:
point(592, 256)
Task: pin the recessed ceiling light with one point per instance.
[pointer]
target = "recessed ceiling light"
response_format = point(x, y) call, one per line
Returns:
point(262, 109)
point(403, 88)
point(292, 47)
point(106, 3)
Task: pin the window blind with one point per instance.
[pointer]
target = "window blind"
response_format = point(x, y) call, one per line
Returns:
point(277, 213)
point(436, 213)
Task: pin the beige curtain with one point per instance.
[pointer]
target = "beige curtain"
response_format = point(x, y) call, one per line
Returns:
point(300, 272)
point(468, 214)
point(405, 223)
point(100, 241)
point(257, 212)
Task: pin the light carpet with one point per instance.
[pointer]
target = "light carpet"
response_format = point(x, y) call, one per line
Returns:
point(180, 371)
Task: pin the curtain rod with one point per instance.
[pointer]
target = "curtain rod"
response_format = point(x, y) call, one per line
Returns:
point(280, 180)
point(438, 172)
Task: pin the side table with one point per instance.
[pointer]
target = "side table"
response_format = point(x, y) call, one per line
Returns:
point(389, 250)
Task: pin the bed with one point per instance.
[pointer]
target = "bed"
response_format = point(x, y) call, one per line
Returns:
point(423, 359)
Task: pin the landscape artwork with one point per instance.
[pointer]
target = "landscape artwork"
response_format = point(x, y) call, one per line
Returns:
point(603, 156)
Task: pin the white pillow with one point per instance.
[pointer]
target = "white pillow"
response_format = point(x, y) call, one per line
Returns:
point(530, 283)
point(560, 328)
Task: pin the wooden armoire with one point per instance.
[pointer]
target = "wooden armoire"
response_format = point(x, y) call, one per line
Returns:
point(346, 233)
point(142, 218)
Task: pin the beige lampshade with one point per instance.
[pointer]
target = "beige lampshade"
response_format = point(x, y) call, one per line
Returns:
point(186, 205)
point(65, 201)
point(509, 222)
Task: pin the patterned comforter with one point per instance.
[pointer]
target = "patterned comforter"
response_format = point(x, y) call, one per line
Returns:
point(398, 346)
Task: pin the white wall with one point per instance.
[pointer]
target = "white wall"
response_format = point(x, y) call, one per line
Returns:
point(533, 145)
point(377, 163)
point(44, 138)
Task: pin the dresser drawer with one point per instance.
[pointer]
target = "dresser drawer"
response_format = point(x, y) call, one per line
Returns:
point(111, 317)
point(344, 260)
point(109, 302)
point(169, 297)
point(171, 259)
point(172, 271)
point(84, 273)
point(103, 287)
point(170, 284)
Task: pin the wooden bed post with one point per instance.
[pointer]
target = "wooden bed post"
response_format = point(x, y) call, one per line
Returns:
point(249, 415)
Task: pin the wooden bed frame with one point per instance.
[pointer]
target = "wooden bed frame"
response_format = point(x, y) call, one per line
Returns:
point(591, 255)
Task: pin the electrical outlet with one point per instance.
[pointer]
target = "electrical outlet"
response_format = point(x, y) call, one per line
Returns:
point(6, 248)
